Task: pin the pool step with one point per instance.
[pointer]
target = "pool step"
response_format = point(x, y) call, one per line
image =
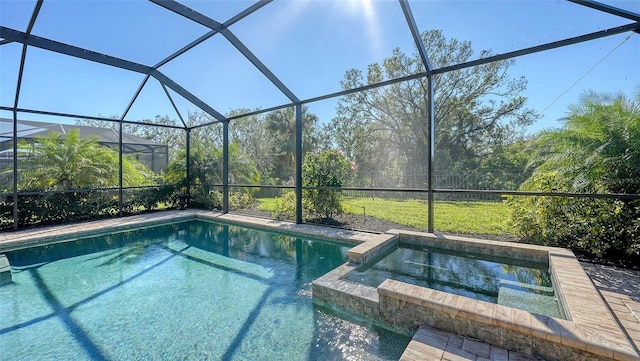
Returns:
point(529, 286)
point(5, 270)
point(432, 344)
point(533, 302)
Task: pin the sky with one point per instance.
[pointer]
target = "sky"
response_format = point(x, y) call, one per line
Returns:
point(308, 45)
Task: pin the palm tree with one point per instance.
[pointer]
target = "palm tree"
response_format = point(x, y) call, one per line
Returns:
point(67, 161)
point(597, 149)
point(242, 169)
point(282, 123)
point(206, 166)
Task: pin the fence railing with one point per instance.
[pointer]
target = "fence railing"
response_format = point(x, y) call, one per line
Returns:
point(443, 179)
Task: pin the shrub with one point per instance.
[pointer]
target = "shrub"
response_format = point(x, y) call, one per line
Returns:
point(322, 168)
point(596, 151)
point(6, 212)
point(325, 168)
point(239, 200)
point(212, 200)
point(604, 228)
point(148, 198)
point(64, 207)
point(54, 208)
point(201, 197)
point(286, 206)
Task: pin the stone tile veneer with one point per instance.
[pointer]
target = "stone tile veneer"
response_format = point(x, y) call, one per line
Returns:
point(405, 305)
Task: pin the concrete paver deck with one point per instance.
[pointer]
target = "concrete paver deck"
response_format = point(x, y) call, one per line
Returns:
point(620, 288)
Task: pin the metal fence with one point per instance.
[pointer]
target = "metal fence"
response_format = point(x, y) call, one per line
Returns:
point(443, 179)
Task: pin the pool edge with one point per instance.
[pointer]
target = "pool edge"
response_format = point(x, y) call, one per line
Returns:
point(12, 241)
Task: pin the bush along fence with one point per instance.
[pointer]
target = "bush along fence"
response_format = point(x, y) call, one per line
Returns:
point(38, 209)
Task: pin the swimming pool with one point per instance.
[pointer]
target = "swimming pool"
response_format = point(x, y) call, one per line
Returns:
point(502, 280)
point(190, 290)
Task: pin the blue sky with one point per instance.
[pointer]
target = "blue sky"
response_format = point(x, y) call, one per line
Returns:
point(307, 44)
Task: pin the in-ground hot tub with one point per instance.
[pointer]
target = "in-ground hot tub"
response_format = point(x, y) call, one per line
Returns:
point(589, 330)
point(519, 283)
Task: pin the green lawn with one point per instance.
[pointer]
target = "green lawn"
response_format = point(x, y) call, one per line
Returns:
point(268, 204)
point(459, 217)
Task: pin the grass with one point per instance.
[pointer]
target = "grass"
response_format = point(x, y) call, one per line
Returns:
point(459, 217)
point(268, 204)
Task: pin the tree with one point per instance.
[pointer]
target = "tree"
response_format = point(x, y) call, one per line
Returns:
point(66, 161)
point(370, 148)
point(282, 124)
point(506, 168)
point(477, 109)
point(598, 147)
point(255, 140)
point(206, 171)
point(596, 151)
point(210, 133)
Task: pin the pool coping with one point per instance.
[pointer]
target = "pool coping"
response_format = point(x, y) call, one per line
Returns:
point(591, 331)
point(11, 241)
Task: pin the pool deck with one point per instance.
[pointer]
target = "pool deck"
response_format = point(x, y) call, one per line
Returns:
point(618, 288)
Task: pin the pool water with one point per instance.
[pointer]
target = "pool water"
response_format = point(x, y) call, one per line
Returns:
point(193, 290)
point(505, 281)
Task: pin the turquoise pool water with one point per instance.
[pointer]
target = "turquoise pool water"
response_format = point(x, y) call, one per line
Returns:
point(193, 290)
point(505, 281)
